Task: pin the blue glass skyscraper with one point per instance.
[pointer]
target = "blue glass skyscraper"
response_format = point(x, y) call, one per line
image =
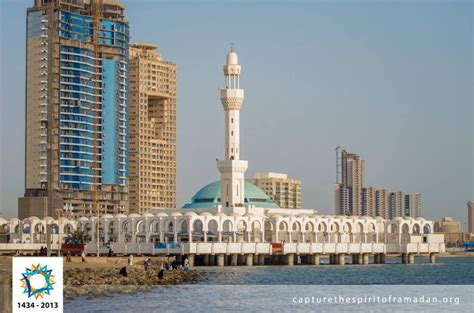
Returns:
point(61, 97)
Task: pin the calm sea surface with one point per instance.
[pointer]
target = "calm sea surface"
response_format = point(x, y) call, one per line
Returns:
point(220, 284)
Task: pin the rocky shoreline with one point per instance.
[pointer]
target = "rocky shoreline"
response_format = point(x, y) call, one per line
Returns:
point(95, 282)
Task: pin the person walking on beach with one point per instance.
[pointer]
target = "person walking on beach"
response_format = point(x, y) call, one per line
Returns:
point(83, 256)
point(68, 256)
point(130, 260)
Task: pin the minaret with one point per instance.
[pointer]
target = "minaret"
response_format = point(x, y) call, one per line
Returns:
point(232, 169)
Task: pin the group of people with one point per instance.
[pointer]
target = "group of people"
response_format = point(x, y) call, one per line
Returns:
point(172, 264)
point(43, 251)
point(169, 264)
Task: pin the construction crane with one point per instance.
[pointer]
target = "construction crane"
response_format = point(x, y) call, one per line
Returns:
point(96, 185)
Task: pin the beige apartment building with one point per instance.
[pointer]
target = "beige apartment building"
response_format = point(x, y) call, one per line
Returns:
point(284, 191)
point(152, 130)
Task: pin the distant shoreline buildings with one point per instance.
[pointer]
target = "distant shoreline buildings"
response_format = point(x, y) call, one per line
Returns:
point(351, 197)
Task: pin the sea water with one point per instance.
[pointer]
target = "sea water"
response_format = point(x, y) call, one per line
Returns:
point(280, 288)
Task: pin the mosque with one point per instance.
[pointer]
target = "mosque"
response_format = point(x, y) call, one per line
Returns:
point(233, 222)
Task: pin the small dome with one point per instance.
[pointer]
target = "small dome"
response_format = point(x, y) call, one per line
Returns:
point(120, 215)
point(147, 214)
point(232, 58)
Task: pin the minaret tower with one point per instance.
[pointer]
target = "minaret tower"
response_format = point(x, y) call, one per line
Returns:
point(232, 169)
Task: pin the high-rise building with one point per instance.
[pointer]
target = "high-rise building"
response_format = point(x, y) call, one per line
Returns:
point(152, 128)
point(284, 191)
point(369, 196)
point(352, 169)
point(341, 200)
point(470, 216)
point(413, 205)
point(397, 204)
point(76, 107)
point(382, 203)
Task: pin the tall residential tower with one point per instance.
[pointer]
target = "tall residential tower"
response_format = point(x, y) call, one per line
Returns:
point(76, 108)
point(152, 178)
point(232, 169)
point(348, 193)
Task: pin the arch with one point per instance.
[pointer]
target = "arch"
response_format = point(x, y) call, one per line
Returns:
point(155, 226)
point(169, 226)
point(140, 227)
point(227, 226)
point(283, 226)
point(68, 228)
point(256, 225)
point(126, 230)
point(241, 226)
point(347, 228)
point(359, 228)
point(334, 227)
point(427, 229)
point(212, 226)
point(309, 227)
point(322, 227)
point(416, 229)
point(405, 228)
point(268, 228)
point(296, 227)
point(197, 226)
point(183, 227)
point(256, 235)
point(39, 228)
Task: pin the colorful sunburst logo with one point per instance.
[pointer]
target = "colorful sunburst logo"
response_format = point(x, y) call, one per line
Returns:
point(37, 281)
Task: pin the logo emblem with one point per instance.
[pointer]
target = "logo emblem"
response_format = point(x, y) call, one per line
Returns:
point(37, 281)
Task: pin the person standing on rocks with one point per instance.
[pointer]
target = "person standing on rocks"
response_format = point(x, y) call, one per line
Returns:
point(161, 272)
point(83, 256)
point(186, 264)
point(130, 260)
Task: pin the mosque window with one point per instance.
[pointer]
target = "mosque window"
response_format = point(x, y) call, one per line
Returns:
point(232, 133)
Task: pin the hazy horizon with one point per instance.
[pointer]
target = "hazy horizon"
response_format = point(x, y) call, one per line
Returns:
point(388, 80)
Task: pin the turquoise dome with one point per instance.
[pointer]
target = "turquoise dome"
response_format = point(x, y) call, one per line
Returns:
point(210, 195)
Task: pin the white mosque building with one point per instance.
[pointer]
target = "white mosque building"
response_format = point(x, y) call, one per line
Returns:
point(232, 222)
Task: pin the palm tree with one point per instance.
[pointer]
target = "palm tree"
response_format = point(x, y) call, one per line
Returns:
point(76, 237)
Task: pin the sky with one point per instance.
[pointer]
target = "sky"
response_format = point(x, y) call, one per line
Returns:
point(388, 80)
